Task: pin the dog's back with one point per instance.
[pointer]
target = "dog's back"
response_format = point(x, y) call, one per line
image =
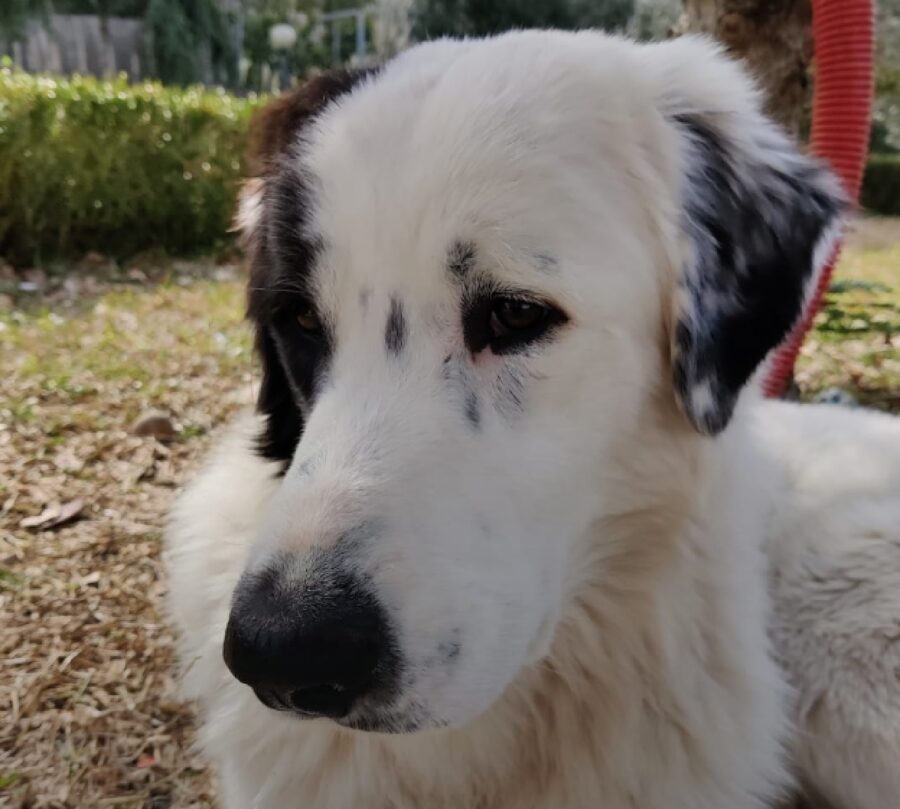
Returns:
point(834, 549)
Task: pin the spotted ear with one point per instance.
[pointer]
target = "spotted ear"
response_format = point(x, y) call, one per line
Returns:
point(269, 197)
point(761, 220)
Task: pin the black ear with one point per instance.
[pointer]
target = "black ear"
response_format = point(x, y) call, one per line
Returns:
point(272, 203)
point(276, 127)
point(761, 221)
point(283, 420)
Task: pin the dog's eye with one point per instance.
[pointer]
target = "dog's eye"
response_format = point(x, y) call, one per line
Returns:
point(514, 315)
point(507, 323)
point(309, 321)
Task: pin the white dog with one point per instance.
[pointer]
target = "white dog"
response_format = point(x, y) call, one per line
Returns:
point(496, 539)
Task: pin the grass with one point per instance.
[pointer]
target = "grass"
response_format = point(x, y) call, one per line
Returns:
point(855, 345)
point(140, 345)
point(86, 689)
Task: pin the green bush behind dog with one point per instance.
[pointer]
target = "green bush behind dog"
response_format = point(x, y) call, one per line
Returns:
point(881, 185)
point(97, 165)
point(88, 164)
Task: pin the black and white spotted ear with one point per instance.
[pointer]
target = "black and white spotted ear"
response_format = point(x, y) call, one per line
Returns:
point(761, 221)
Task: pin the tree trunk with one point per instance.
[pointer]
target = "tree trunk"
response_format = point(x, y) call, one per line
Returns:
point(774, 38)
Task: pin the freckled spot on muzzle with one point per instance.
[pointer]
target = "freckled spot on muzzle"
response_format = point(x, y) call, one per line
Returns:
point(395, 329)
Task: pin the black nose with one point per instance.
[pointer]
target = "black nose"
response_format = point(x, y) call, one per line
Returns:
point(314, 642)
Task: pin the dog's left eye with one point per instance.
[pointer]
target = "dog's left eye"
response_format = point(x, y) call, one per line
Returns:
point(514, 323)
point(507, 323)
point(511, 315)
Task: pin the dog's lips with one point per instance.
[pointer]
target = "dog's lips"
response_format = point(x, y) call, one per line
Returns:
point(271, 700)
point(385, 723)
point(361, 721)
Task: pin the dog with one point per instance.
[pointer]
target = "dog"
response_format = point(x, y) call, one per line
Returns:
point(834, 550)
point(497, 534)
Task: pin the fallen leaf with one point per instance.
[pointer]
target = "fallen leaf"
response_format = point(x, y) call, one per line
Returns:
point(54, 515)
point(145, 761)
point(155, 423)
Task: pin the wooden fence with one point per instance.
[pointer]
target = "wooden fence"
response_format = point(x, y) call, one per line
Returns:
point(82, 44)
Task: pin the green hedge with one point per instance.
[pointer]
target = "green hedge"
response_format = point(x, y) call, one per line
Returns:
point(881, 185)
point(99, 165)
point(90, 165)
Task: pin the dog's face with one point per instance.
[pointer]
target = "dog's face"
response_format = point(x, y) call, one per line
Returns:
point(475, 273)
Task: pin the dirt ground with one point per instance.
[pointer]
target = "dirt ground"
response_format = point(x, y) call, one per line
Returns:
point(89, 715)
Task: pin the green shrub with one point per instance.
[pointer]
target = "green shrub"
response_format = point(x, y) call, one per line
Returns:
point(881, 184)
point(99, 165)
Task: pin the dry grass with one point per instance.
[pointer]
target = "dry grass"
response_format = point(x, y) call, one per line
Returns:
point(856, 343)
point(87, 698)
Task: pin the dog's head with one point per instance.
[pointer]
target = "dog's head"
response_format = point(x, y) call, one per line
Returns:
point(481, 277)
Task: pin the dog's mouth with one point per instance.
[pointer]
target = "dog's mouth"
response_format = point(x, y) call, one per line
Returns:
point(323, 701)
point(386, 722)
point(365, 719)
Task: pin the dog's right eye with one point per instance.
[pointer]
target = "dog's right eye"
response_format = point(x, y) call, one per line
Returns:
point(309, 321)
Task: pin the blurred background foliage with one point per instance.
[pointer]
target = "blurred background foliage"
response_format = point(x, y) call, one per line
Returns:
point(88, 164)
point(436, 18)
point(101, 164)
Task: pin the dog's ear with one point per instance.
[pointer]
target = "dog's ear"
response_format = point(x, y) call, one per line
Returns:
point(276, 128)
point(270, 196)
point(761, 220)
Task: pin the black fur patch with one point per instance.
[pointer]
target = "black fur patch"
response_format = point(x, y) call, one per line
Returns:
point(276, 402)
point(395, 329)
point(281, 266)
point(754, 229)
point(283, 255)
point(461, 259)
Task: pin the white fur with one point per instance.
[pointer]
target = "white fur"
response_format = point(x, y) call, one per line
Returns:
point(831, 480)
point(604, 571)
point(835, 560)
point(660, 697)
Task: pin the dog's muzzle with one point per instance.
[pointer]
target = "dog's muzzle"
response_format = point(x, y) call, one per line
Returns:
point(311, 639)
